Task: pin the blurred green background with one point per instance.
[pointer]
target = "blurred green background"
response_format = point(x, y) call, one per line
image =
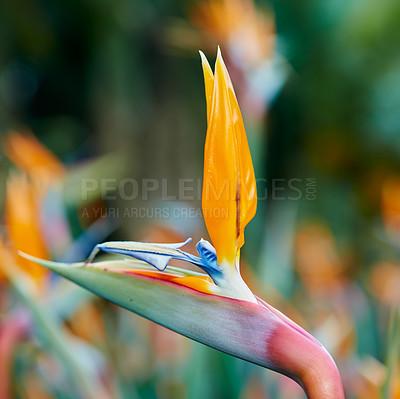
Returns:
point(115, 90)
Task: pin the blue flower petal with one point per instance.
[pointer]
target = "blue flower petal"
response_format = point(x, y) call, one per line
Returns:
point(159, 261)
point(209, 257)
point(159, 255)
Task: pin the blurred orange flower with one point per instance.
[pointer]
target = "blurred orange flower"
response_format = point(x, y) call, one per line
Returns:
point(385, 283)
point(317, 261)
point(23, 225)
point(391, 205)
point(24, 193)
point(237, 25)
point(30, 156)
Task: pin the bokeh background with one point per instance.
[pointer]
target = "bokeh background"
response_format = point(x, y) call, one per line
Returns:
point(95, 92)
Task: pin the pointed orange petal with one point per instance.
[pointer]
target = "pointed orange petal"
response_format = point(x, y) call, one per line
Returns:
point(229, 190)
point(23, 225)
point(208, 82)
point(247, 181)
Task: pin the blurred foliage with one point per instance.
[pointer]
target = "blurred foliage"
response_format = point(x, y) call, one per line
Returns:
point(114, 90)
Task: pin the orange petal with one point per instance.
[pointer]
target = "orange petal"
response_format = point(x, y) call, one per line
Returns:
point(198, 283)
point(208, 82)
point(229, 199)
point(23, 225)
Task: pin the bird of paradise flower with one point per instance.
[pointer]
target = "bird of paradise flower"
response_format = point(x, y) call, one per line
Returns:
point(217, 308)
